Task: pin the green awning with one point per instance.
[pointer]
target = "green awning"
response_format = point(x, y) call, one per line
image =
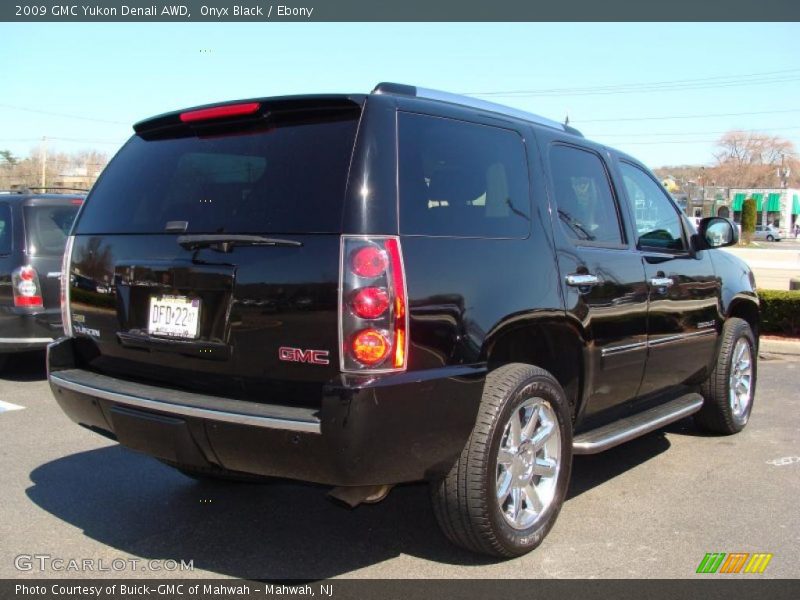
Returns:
point(795, 205)
point(759, 198)
point(774, 203)
point(738, 200)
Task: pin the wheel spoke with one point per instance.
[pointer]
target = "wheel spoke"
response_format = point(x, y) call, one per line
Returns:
point(530, 426)
point(505, 457)
point(542, 435)
point(504, 486)
point(516, 501)
point(516, 430)
point(532, 496)
point(544, 467)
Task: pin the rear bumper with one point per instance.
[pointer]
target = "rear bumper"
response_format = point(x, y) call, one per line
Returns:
point(404, 427)
point(21, 329)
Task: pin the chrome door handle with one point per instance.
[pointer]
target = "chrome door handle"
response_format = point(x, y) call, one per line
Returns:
point(661, 282)
point(582, 280)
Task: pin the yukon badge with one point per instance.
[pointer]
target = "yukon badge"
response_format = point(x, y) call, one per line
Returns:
point(314, 357)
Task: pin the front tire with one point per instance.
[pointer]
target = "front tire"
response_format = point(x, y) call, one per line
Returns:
point(504, 493)
point(730, 389)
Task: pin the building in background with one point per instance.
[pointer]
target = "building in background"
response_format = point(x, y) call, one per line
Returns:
point(774, 206)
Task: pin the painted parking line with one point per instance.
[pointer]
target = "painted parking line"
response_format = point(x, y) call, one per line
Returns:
point(7, 406)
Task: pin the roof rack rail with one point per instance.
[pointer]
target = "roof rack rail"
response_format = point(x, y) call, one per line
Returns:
point(429, 94)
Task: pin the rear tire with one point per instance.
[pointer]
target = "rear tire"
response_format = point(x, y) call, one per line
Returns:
point(216, 474)
point(730, 389)
point(504, 493)
point(770, 238)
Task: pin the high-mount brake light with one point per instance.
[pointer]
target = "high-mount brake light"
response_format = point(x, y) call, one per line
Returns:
point(220, 112)
point(26, 290)
point(373, 316)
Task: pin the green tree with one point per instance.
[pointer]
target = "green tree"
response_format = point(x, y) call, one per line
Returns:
point(8, 157)
point(748, 219)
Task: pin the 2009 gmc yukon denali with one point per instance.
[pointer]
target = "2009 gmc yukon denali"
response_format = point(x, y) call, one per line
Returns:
point(363, 290)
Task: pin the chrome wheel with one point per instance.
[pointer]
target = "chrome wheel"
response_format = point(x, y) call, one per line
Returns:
point(741, 379)
point(528, 463)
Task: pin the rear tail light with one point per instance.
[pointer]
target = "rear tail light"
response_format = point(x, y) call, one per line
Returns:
point(373, 319)
point(66, 316)
point(27, 291)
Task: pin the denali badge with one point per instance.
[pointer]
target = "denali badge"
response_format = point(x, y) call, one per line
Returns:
point(315, 357)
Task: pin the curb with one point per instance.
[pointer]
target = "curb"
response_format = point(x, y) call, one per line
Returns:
point(772, 346)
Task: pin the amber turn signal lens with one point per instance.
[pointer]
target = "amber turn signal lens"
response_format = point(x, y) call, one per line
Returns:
point(370, 346)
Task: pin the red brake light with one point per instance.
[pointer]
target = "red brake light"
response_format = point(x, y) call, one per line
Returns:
point(28, 301)
point(26, 290)
point(370, 302)
point(76, 201)
point(369, 261)
point(370, 346)
point(398, 284)
point(220, 112)
point(383, 345)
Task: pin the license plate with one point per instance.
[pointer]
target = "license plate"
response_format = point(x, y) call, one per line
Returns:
point(174, 316)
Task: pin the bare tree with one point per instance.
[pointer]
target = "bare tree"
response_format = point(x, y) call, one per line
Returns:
point(748, 159)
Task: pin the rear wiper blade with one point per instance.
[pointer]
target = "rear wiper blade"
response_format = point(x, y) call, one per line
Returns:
point(226, 241)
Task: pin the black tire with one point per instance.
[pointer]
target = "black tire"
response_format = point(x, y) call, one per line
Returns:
point(216, 474)
point(3, 361)
point(770, 238)
point(465, 501)
point(718, 414)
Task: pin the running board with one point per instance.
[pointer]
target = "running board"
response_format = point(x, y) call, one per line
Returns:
point(618, 432)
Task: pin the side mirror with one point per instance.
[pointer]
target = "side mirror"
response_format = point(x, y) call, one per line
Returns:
point(716, 232)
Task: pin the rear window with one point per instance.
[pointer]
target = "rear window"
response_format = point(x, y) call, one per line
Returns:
point(461, 179)
point(288, 178)
point(47, 228)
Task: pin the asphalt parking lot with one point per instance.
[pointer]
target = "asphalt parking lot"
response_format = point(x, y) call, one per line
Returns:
point(651, 508)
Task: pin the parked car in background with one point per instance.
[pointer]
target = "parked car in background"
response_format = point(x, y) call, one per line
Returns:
point(369, 289)
point(33, 232)
point(769, 233)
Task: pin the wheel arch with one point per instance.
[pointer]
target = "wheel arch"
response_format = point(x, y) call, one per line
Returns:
point(746, 308)
point(552, 345)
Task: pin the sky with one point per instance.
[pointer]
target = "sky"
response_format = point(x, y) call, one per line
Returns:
point(632, 86)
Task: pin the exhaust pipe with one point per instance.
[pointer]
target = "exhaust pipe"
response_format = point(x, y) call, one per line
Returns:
point(353, 495)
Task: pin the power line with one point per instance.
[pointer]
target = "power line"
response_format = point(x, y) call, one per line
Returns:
point(765, 77)
point(62, 139)
point(59, 114)
point(700, 116)
point(627, 135)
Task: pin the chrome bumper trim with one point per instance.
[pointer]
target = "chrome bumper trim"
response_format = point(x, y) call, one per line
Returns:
point(187, 411)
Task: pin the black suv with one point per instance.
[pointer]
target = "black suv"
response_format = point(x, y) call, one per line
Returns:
point(33, 232)
point(364, 290)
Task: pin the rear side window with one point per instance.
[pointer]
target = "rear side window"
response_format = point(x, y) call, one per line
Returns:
point(461, 179)
point(5, 229)
point(287, 178)
point(47, 228)
point(587, 210)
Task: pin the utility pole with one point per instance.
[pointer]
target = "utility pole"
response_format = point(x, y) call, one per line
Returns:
point(44, 162)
